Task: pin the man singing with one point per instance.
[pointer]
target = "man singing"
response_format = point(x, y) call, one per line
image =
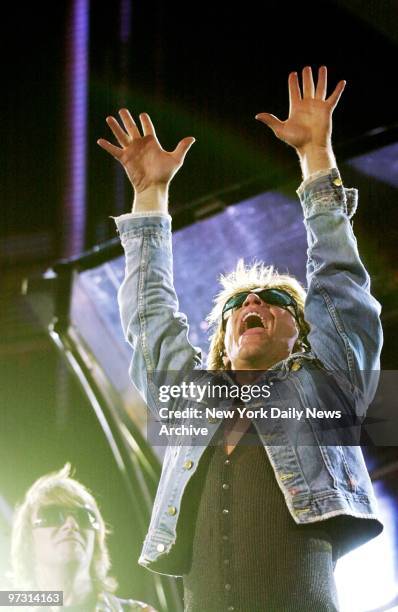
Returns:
point(257, 527)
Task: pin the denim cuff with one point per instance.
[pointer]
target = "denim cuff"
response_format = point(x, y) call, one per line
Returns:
point(149, 213)
point(135, 222)
point(325, 191)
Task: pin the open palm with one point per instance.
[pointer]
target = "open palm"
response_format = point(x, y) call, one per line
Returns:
point(144, 160)
point(310, 114)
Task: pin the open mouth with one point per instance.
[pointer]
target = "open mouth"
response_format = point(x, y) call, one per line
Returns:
point(252, 320)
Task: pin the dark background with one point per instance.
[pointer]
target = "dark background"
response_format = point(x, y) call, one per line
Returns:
point(201, 69)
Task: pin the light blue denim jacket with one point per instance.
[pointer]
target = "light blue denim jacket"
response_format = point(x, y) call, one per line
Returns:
point(318, 482)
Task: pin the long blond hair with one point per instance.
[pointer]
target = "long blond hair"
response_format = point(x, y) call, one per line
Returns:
point(244, 278)
point(60, 488)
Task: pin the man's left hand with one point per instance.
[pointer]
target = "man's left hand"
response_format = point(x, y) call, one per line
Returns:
point(309, 125)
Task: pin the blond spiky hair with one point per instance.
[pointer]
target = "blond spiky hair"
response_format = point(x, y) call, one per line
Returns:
point(244, 278)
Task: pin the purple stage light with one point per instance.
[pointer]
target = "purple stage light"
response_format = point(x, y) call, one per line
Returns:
point(74, 210)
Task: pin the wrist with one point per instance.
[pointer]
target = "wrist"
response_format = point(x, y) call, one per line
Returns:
point(152, 199)
point(315, 158)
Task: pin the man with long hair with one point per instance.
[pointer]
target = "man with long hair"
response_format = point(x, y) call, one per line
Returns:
point(58, 543)
point(257, 527)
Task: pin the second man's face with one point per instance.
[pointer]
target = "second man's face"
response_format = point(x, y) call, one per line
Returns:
point(66, 546)
point(259, 335)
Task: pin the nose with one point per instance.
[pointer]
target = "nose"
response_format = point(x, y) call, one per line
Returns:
point(70, 523)
point(252, 298)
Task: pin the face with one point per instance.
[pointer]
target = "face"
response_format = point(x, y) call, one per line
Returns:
point(258, 334)
point(67, 546)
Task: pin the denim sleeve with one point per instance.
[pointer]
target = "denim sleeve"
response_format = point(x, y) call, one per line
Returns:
point(344, 318)
point(151, 321)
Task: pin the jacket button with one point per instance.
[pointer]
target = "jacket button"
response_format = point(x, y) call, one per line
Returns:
point(338, 182)
point(188, 464)
point(296, 365)
point(171, 510)
point(160, 547)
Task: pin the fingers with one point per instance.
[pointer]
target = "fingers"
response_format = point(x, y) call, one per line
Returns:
point(294, 89)
point(129, 123)
point(131, 128)
point(308, 83)
point(333, 99)
point(183, 147)
point(120, 135)
point(131, 131)
point(321, 86)
point(273, 122)
point(147, 125)
point(309, 90)
point(116, 152)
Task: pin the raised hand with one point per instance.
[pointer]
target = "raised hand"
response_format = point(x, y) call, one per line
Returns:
point(144, 160)
point(309, 124)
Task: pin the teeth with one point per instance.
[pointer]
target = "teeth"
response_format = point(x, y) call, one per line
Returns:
point(255, 314)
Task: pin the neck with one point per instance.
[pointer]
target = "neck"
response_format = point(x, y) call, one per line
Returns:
point(247, 377)
point(76, 585)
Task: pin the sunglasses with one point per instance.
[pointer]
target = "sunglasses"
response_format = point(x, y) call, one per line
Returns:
point(55, 516)
point(275, 297)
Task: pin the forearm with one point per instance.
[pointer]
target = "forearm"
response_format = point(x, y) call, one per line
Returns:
point(343, 315)
point(151, 321)
point(152, 199)
point(316, 159)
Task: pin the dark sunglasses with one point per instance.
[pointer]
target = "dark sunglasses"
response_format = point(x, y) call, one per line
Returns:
point(275, 297)
point(55, 516)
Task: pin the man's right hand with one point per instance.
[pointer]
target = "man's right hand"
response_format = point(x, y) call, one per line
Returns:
point(147, 165)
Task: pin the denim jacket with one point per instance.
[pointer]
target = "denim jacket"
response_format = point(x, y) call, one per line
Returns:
point(319, 483)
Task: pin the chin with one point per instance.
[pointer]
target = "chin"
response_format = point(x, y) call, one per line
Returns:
point(251, 356)
point(256, 343)
point(72, 561)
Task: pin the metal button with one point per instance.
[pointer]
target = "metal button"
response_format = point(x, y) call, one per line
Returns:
point(225, 511)
point(230, 608)
point(338, 182)
point(171, 510)
point(226, 561)
point(286, 476)
point(225, 538)
point(227, 462)
point(296, 365)
point(302, 511)
point(227, 587)
point(225, 486)
point(188, 464)
point(160, 547)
